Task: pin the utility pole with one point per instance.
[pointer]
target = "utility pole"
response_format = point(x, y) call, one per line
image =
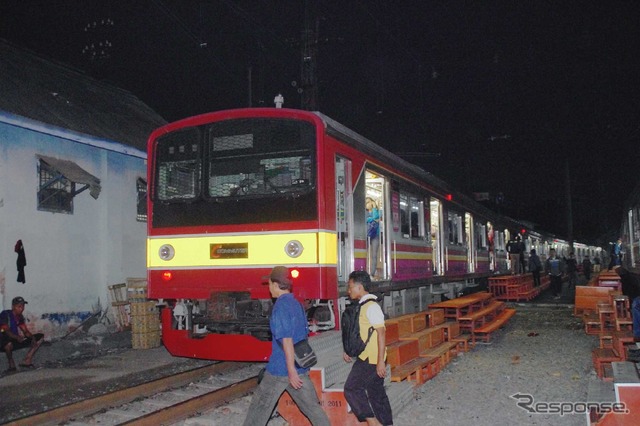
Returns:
point(569, 207)
point(308, 65)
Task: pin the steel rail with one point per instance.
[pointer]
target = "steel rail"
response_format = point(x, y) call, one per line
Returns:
point(92, 405)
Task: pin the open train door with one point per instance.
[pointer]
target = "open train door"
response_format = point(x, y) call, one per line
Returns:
point(344, 218)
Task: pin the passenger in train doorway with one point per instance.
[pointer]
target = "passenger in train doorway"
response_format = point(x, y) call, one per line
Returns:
point(288, 324)
point(586, 267)
point(555, 268)
point(535, 266)
point(373, 235)
point(616, 254)
point(15, 335)
point(364, 388)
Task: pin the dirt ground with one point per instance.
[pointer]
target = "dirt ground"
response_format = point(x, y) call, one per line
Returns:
point(542, 352)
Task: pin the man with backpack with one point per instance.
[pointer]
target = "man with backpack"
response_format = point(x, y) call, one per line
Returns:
point(364, 388)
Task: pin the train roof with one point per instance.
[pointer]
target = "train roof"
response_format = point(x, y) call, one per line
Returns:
point(365, 145)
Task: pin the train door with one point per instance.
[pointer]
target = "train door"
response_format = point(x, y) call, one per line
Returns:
point(437, 228)
point(344, 218)
point(471, 245)
point(492, 246)
point(377, 245)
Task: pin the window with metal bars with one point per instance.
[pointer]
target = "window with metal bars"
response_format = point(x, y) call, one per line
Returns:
point(55, 192)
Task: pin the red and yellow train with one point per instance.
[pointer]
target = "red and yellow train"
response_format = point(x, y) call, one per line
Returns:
point(234, 193)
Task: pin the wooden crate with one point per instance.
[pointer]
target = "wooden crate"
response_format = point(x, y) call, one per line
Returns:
point(147, 340)
point(435, 316)
point(401, 352)
point(392, 333)
point(418, 322)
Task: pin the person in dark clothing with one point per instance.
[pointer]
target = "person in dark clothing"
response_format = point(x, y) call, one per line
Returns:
point(21, 262)
point(586, 267)
point(15, 335)
point(535, 266)
point(555, 268)
point(631, 289)
point(572, 269)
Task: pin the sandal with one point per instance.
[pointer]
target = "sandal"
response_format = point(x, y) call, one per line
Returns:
point(26, 366)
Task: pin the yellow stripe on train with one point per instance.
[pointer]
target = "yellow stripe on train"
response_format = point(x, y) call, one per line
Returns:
point(241, 250)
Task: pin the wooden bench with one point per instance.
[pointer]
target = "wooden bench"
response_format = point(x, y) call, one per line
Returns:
point(592, 324)
point(444, 351)
point(464, 341)
point(587, 298)
point(602, 359)
point(486, 330)
point(481, 317)
point(418, 370)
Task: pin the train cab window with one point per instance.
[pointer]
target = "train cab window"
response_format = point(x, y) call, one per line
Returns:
point(455, 228)
point(178, 166)
point(260, 158)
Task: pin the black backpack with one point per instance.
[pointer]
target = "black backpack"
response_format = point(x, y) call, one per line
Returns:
point(351, 341)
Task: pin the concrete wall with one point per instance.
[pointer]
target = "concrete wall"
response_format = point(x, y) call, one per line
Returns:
point(71, 258)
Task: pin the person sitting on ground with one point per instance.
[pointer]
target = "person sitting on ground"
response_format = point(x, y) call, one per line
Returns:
point(15, 335)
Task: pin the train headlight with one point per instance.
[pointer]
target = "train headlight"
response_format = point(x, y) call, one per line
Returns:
point(166, 252)
point(293, 248)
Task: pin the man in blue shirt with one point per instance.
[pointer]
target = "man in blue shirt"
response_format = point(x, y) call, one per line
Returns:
point(288, 324)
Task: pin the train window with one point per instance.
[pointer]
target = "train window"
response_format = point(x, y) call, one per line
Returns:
point(260, 157)
point(178, 165)
point(455, 228)
point(405, 215)
point(481, 236)
point(416, 218)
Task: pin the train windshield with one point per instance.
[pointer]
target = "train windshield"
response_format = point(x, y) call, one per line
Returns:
point(241, 164)
point(259, 157)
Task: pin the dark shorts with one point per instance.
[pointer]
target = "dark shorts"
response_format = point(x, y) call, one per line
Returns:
point(19, 345)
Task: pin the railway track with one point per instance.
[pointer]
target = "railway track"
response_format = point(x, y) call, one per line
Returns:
point(163, 401)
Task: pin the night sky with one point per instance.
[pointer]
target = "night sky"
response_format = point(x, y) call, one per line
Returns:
point(492, 96)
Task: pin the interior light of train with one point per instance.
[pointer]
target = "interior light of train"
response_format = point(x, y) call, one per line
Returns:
point(167, 275)
point(166, 252)
point(293, 248)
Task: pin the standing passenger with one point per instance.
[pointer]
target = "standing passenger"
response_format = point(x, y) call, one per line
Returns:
point(288, 324)
point(572, 269)
point(364, 388)
point(616, 254)
point(535, 267)
point(586, 267)
point(554, 269)
point(373, 235)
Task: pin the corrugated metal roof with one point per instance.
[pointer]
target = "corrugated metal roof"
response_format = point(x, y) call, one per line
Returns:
point(53, 93)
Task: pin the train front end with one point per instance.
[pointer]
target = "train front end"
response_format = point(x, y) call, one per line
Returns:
point(231, 195)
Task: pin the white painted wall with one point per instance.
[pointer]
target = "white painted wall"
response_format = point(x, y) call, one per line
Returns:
point(71, 258)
